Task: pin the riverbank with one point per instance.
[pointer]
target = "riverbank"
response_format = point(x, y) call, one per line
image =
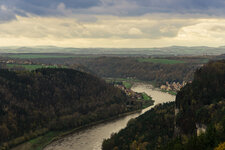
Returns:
point(129, 82)
point(92, 135)
point(126, 84)
point(156, 93)
point(42, 141)
point(92, 138)
point(170, 92)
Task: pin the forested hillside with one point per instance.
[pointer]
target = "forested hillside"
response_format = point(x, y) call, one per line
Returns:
point(142, 70)
point(207, 89)
point(148, 131)
point(201, 108)
point(35, 102)
point(195, 121)
point(146, 69)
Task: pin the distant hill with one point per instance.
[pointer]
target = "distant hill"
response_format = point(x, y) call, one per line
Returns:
point(35, 102)
point(195, 122)
point(220, 57)
point(171, 51)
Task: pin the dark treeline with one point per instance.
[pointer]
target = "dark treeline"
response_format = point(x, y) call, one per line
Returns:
point(122, 67)
point(35, 102)
point(130, 67)
point(214, 114)
point(207, 89)
point(200, 104)
point(149, 131)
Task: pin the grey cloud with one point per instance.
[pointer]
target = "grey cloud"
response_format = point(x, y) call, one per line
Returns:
point(6, 14)
point(204, 7)
point(180, 5)
point(142, 7)
point(111, 7)
point(86, 18)
point(68, 3)
point(47, 7)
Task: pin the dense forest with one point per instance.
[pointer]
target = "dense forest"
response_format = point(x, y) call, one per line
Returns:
point(123, 67)
point(195, 121)
point(146, 71)
point(35, 102)
point(207, 89)
point(148, 131)
point(202, 104)
point(146, 68)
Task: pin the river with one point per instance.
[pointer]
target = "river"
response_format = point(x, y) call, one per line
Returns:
point(92, 137)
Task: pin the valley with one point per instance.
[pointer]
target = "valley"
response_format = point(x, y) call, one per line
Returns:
point(140, 79)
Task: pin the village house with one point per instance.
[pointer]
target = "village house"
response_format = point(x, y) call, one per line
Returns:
point(173, 86)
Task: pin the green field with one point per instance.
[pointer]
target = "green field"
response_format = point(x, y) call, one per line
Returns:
point(28, 67)
point(39, 142)
point(127, 84)
point(147, 100)
point(170, 92)
point(122, 80)
point(146, 97)
point(160, 61)
point(204, 61)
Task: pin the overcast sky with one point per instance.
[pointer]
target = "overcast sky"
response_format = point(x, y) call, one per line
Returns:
point(112, 23)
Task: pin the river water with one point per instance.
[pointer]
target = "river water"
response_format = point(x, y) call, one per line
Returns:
point(91, 138)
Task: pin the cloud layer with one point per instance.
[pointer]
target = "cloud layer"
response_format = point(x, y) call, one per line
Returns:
point(112, 23)
point(112, 32)
point(9, 9)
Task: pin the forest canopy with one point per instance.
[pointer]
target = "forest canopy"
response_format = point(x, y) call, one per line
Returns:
point(35, 102)
point(199, 104)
